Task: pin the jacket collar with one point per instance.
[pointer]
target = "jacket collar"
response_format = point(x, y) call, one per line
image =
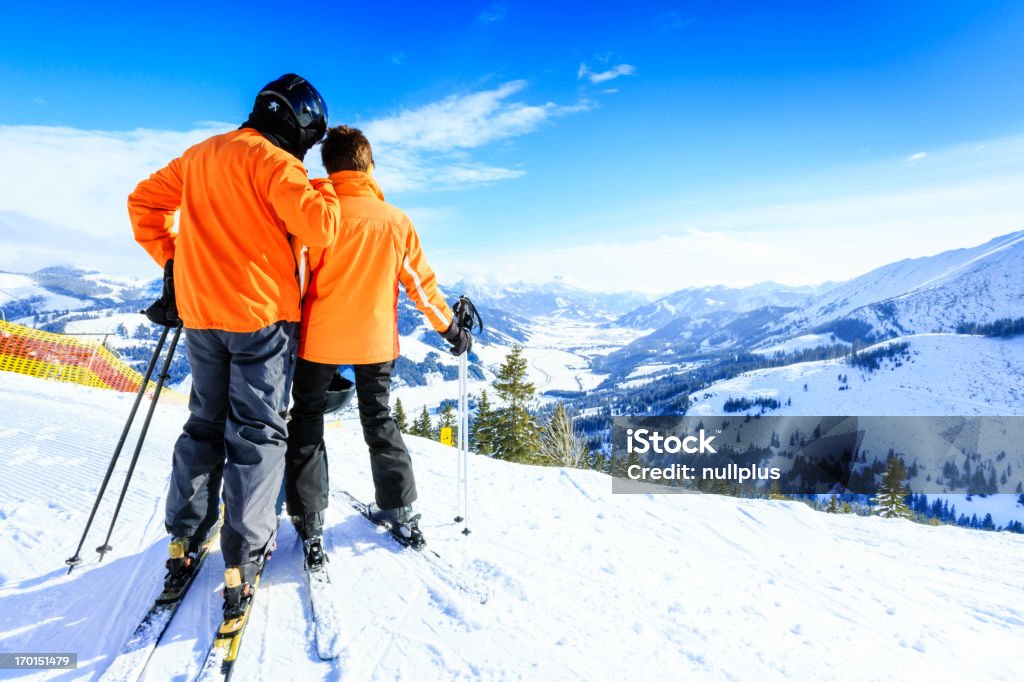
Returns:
point(356, 184)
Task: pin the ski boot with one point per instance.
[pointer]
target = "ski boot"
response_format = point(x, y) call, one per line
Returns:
point(239, 587)
point(311, 529)
point(180, 566)
point(402, 523)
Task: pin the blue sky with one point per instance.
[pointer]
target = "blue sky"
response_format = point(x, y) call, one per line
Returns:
point(638, 145)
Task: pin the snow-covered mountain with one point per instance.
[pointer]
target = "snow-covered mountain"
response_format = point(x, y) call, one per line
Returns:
point(577, 352)
point(551, 299)
point(937, 374)
point(938, 293)
point(58, 289)
point(686, 340)
point(919, 295)
point(699, 302)
point(587, 585)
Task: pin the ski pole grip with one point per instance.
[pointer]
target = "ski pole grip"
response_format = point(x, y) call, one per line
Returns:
point(467, 315)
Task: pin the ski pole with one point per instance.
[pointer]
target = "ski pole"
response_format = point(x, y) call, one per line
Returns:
point(464, 438)
point(458, 449)
point(77, 559)
point(467, 317)
point(105, 547)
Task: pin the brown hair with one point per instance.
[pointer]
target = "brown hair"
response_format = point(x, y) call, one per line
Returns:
point(346, 148)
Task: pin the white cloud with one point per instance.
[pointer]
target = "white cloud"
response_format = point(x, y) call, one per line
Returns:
point(917, 157)
point(886, 212)
point(495, 13)
point(603, 76)
point(673, 21)
point(461, 121)
point(79, 180)
point(425, 148)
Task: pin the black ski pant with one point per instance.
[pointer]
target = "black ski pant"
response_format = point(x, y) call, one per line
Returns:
point(306, 477)
point(235, 434)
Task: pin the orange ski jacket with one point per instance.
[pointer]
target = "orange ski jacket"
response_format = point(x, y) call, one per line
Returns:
point(350, 309)
point(240, 199)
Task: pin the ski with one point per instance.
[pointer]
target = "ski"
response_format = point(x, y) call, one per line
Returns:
point(220, 660)
point(134, 656)
point(451, 575)
point(326, 614)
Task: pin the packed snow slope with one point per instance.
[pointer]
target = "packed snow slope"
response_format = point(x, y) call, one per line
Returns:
point(586, 585)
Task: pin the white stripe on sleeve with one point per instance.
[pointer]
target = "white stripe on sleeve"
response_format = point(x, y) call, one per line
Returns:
point(419, 289)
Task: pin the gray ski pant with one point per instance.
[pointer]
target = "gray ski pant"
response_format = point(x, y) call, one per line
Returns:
point(236, 434)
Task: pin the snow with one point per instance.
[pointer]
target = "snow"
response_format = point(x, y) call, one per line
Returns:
point(948, 374)
point(656, 368)
point(414, 398)
point(798, 343)
point(561, 350)
point(108, 324)
point(558, 357)
point(92, 329)
point(587, 585)
point(14, 287)
point(979, 284)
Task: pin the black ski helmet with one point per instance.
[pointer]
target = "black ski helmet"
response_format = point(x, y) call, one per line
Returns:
point(293, 101)
point(339, 393)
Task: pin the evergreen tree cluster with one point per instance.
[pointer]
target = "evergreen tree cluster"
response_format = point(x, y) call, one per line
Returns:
point(422, 426)
point(744, 404)
point(1005, 327)
point(872, 360)
point(669, 395)
point(511, 431)
point(978, 479)
point(941, 511)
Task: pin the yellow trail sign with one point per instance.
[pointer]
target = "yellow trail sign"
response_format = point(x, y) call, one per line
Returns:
point(446, 435)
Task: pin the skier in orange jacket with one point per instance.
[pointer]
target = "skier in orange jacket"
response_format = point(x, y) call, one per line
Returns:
point(350, 316)
point(230, 280)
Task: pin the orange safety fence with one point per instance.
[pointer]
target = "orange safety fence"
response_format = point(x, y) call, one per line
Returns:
point(64, 358)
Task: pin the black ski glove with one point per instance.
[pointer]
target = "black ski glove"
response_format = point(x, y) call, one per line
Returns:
point(164, 310)
point(460, 338)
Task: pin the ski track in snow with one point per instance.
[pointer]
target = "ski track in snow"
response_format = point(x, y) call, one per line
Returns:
point(586, 585)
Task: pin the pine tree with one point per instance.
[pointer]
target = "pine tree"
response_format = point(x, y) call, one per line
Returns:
point(516, 436)
point(399, 414)
point(422, 426)
point(833, 505)
point(560, 442)
point(446, 419)
point(891, 494)
point(775, 491)
point(480, 432)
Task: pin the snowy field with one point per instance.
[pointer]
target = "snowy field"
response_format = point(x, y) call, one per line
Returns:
point(948, 374)
point(558, 358)
point(14, 287)
point(799, 343)
point(586, 585)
